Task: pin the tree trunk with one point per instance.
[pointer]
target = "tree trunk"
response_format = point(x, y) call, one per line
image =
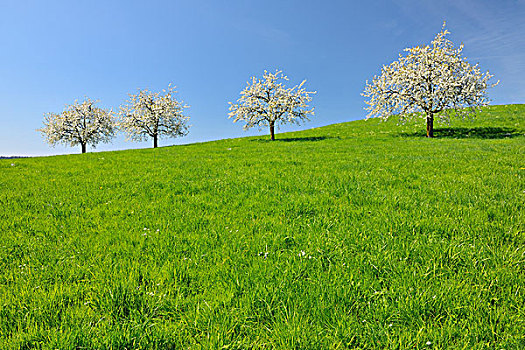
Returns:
point(272, 131)
point(155, 143)
point(83, 147)
point(430, 125)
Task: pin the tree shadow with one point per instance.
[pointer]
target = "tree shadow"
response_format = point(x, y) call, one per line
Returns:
point(298, 139)
point(484, 132)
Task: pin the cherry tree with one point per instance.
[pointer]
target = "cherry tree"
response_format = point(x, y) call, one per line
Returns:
point(431, 81)
point(153, 115)
point(79, 124)
point(266, 102)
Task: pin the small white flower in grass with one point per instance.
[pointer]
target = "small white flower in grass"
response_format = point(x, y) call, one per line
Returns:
point(390, 325)
point(302, 253)
point(12, 164)
point(429, 342)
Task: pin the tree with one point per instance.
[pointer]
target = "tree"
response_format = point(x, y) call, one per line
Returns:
point(431, 81)
point(266, 102)
point(153, 115)
point(79, 124)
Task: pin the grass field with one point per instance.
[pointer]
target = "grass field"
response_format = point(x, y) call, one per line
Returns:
point(358, 235)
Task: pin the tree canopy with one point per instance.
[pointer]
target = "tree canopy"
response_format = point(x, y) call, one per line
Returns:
point(153, 115)
point(267, 102)
point(432, 81)
point(80, 123)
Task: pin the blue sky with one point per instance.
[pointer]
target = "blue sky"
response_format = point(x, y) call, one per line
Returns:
point(53, 52)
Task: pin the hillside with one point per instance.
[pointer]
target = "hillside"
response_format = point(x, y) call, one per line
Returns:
point(356, 235)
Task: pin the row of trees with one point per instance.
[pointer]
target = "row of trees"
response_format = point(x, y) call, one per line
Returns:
point(145, 115)
point(152, 115)
point(431, 81)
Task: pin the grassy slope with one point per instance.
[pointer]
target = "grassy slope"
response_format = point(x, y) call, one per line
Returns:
point(362, 234)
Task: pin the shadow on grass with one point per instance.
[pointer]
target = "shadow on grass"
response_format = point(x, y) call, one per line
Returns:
point(298, 139)
point(484, 132)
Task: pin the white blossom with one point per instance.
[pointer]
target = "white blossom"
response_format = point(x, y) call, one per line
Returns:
point(153, 115)
point(430, 81)
point(267, 102)
point(80, 123)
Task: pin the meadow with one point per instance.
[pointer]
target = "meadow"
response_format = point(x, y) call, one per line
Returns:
point(360, 235)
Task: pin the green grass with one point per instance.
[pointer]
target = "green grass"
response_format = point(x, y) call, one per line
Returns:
point(358, 235)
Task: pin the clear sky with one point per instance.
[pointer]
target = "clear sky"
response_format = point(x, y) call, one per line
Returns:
point(53, 52)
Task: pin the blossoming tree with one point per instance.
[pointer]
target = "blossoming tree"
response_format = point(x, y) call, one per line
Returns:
point(431, 81)
point(79, 124)
point(153, 115)
point(266, 102)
